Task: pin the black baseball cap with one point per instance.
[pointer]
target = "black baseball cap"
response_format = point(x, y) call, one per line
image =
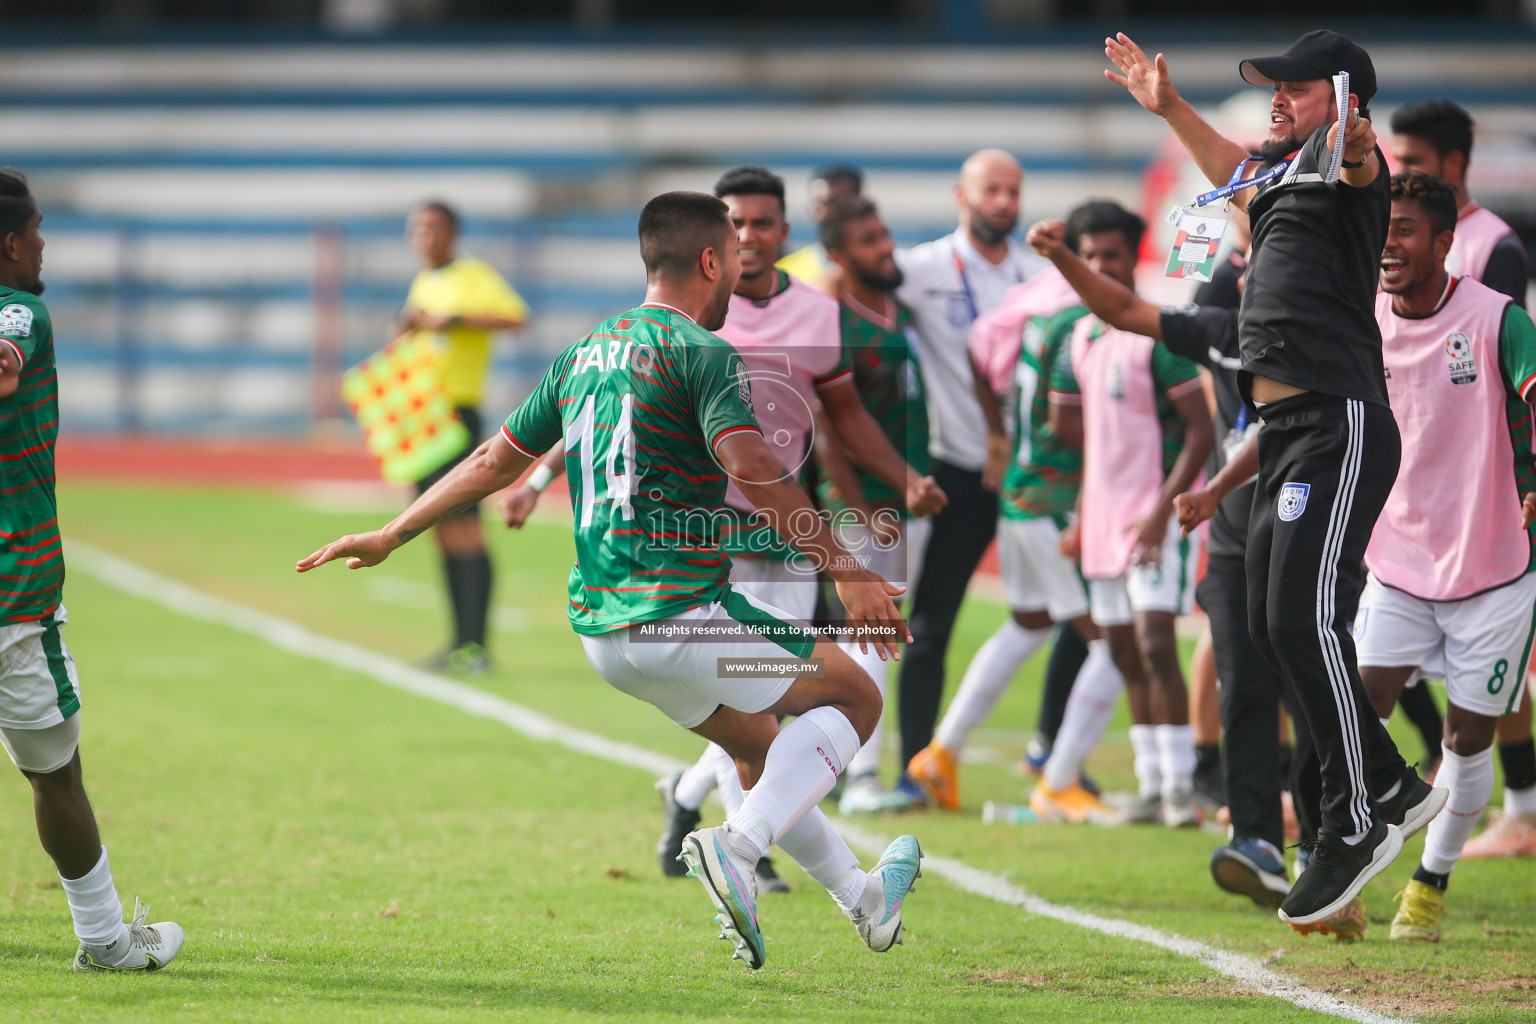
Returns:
point(1320, 54)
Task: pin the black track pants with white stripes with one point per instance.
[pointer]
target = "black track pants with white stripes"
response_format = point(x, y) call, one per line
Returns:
point(1326, 466)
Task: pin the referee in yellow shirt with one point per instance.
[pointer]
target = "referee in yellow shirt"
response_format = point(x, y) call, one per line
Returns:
point(463, 301)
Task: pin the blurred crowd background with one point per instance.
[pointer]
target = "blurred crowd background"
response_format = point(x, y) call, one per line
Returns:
point(225, 184)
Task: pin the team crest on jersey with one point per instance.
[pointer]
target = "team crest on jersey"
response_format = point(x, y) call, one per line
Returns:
point(1459, 362)
point(15, 321)
point(1293, 501)
point(959, 311)
point(1114, 385)
point(743, 384)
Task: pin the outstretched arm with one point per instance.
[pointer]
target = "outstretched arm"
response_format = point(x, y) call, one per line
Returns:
point(776, 496)
point(492, 466)
point(516, 503)
point(1106, 298)
point(1149, 82)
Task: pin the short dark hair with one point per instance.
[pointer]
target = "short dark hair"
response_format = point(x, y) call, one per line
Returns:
point(840, 172)
point(832, 232)
point(1098, 215)
point(1441, 123)
point(675, 227)
point(1434, 196)
point(750, 180)
point(450, 214)
point(16, 203)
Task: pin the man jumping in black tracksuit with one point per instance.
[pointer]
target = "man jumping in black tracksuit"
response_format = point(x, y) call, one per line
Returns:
point(1328, 449)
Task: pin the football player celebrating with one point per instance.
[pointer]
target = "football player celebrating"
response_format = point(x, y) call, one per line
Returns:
point(654, 379)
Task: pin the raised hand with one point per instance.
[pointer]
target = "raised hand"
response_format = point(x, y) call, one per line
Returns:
point(360, 550)
point(1145, 79)
point(1047, 237)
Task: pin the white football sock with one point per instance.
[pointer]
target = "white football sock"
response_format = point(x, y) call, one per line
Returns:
point(1470, 780)
point(1095, 693)
point(802, 765)
point(1519, 802)
point(1149, 774)
point(1176, 757)
point(814, 844)
point(95, 908)
point(867, 760)
point(727, 780)
point(989, 674)
point(698, 780)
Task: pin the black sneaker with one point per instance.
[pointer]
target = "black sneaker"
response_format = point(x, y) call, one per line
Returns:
point(680, 822)
point(1414, 804)
point(768, 879)
point(1337, 872)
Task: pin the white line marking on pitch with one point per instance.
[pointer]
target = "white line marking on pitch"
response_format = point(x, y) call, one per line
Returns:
point(292, 637)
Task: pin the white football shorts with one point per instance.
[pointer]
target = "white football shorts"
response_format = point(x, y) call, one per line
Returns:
point(1168, 586)
point(1479, 646)
point(1036, 575)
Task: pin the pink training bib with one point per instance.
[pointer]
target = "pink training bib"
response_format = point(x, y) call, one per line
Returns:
point(997, 334)
point(1122, 443)
point(1477, 232)
point(791, 345)
point(1451, 526)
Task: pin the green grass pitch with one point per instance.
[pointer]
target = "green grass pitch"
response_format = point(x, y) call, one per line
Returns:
point(341, 851)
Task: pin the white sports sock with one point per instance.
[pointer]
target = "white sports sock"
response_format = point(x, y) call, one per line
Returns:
point(698, 780)
point(94, 906)
point(802, 765)
point(1520, 802)
point(1176, 757)
point(989, 674)
point(814, 844)
point(1470, 780)
point(1095, 693)
point(867, 760)
point(727, 780)
point(1149, 774)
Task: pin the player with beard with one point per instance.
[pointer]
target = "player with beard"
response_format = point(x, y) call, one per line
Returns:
point(656, 380)
point(889, 380)
point(1451, 594)
point(788, 334)
point(1328, 447)
point(947, 284)
point(1435, 136)
point(39, 687)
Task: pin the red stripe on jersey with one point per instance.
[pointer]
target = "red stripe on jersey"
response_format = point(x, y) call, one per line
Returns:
point(836, 378)
point(23, 533)
point(513, 442)
point(728, 431)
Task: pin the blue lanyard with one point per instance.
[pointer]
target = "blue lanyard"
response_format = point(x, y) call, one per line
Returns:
point(965, 284)
point(1235, 184)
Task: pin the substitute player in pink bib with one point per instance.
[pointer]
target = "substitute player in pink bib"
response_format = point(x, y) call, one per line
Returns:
point(1146, 431)
point(1451, 592)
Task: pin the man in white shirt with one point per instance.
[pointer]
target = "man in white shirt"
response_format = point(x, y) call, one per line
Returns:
point(948, 283)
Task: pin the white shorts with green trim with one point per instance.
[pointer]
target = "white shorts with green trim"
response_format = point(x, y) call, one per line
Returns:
point(1168, 586)
point(1479, 646)
point(39, 686)
point(789, 586)
point(675, 664)
point(1036, 575)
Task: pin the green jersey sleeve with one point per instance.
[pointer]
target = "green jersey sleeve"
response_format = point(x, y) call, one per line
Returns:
point(535, 427)
point(1517, 351)
point(1062, 380)
point(720, 389)
point(1170, 370)
point(24, 323)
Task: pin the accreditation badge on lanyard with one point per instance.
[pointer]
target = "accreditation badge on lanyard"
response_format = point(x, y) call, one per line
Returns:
point(1199, 231)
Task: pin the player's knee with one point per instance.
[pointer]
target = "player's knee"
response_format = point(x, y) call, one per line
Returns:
point(1159, 650)
point(49, 756)
point(1467, 734)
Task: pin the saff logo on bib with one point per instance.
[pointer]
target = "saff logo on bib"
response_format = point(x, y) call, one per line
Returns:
point(1293, 501)
point(15, 321)
point(1459, 362)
